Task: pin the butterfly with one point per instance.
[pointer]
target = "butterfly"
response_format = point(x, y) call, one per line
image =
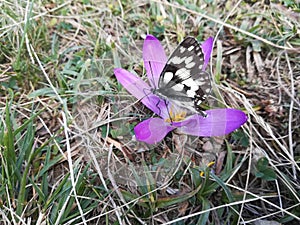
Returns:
point(182, 80)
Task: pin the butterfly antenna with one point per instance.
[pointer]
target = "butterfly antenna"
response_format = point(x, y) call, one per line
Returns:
point(152, 77)
point(157, 106)
point(166, 103)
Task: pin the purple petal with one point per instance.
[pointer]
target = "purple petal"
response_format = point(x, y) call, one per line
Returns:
point(133, 84)
point(141, 90)
point(152, 130)
point(207, 49)
point(157, 105)
point(154, 58)
point(217, 123)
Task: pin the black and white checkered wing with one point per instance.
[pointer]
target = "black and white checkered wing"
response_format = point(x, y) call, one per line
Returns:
point(182, 80)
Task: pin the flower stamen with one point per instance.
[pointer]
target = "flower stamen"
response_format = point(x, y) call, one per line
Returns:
point(176, 116)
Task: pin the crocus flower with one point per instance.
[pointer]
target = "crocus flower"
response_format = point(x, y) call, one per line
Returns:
point(217, 123)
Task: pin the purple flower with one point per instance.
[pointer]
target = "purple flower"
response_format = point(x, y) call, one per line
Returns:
point(217, 123)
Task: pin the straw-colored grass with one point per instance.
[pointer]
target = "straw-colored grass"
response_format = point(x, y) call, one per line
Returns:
point(67, 147)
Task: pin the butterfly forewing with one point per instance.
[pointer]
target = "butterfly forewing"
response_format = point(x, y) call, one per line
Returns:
point(182, 80)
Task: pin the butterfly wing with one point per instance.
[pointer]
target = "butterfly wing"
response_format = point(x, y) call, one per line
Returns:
point(182, 80)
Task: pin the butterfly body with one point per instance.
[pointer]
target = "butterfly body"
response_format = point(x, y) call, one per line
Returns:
point(183, 80)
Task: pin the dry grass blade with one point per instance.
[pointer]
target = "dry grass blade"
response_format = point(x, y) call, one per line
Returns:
point(68, 149)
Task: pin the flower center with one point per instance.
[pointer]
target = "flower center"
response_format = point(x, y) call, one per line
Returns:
point(176, 116)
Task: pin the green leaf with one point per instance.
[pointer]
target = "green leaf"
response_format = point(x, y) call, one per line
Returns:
point(204, 216)
point(269, 175)
point(224, 186)
point(262, 164)
point(9, 155)
point(172, 200)
point(241, 138)
point(42, 92)
point(264, 171)
point(197, 179)
point(131, 197)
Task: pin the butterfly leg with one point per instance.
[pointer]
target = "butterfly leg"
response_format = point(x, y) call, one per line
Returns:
point(157, 105)
point(145, 92)
point(166, 103)
point(204, 114)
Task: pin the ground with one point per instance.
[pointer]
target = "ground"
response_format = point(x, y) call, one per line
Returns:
point(68, 149)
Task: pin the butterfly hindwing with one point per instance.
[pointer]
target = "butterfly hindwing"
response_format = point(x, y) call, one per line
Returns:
point(182, 80)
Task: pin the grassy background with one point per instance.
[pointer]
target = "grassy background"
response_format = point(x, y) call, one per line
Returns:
point(68, 155)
